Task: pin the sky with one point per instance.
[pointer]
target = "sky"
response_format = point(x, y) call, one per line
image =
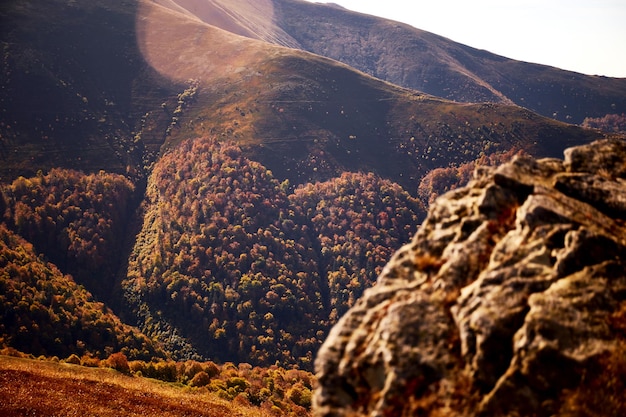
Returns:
point(586, 36)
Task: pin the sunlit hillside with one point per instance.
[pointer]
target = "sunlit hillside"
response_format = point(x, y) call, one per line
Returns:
point(197, 191)
point(48, 387)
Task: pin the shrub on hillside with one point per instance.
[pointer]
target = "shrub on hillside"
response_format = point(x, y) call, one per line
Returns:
point(200, 379)
point(119, 362)
point(73, 359)
point(610, 123)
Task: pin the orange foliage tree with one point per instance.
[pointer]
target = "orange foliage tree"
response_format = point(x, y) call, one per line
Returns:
point(610, 123)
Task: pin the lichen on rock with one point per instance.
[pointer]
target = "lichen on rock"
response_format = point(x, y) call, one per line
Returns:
point(503, 303)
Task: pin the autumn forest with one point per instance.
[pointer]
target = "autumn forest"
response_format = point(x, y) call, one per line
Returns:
point(230, 264)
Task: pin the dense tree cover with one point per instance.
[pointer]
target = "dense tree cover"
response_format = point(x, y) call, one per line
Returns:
point(77, 220)
point(611, 123)
point(46, 313)
point(224, 260)
point(231, 266)
point(359, 220)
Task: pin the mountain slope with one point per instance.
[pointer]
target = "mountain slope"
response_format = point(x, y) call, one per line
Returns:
point(45, 312)
point(287, 107)
point(143, 89)
point(58, 76)
point(417, 59)
point(426, 62)
point(143, 74)
point(250, 19)
point(245, 271)
point(77, 220)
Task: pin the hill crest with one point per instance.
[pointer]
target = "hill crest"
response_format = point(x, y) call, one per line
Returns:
point(417, 59)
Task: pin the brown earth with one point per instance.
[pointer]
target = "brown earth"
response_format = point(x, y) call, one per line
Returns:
point(38, 388)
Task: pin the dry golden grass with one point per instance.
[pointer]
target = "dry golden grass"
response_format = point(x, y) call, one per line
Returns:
point(41, 388)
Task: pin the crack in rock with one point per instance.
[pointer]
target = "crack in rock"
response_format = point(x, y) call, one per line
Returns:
point(502, 300)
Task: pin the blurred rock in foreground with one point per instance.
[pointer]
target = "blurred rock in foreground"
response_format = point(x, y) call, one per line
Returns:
point(510, 300)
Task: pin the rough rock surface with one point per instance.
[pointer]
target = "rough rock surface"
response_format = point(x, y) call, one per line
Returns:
point(510, 300)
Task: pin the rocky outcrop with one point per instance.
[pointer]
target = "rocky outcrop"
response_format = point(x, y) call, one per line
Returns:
point(510, 300)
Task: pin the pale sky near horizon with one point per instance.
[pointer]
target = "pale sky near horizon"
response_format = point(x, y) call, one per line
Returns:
point(586, 36)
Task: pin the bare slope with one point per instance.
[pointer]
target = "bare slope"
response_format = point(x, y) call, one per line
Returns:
point(74, 87)
point(105, 85)
point(246, 18)
point(415, 58)
point(424, 61)
point(307, 117)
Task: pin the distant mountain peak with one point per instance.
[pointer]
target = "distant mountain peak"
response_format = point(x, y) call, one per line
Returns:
point(253, 19)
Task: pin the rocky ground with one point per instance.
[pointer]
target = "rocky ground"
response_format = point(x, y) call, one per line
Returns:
point(510, 300)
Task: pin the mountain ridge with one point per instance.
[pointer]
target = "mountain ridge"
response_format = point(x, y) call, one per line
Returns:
point(424, 61)
point(180, 77)
point(546, 90)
